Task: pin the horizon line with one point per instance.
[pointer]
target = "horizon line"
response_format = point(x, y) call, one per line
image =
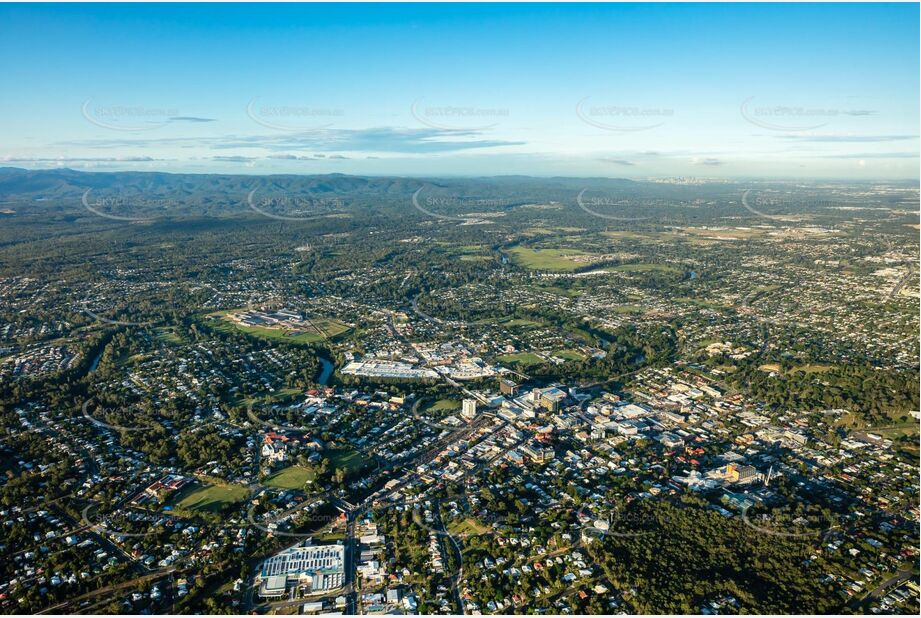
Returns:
point(916, 180)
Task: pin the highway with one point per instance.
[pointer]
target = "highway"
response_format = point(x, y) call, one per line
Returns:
point(904, 280)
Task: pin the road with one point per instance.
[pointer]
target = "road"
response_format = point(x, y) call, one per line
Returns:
point(881, 589)
point(352, 596)
point(898, 287)
point(353, 512)
point(424, 316)
point(56, 609)
point(453, 546)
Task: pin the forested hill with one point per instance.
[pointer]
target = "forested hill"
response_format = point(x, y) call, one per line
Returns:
point(38, 197)
point(47, 184)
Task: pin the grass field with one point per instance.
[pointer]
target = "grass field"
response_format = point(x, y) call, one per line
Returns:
point(468, 253)
point(570, 292)
point(814, 368)
point(544, 231)
point(328, 537)
point(444, 405)
point(570, 355)
point(297, 477)
point(352, 461)
point(627, 309)
point(631, 235)
point(547, 259)
point(281, 395)
point(725, 233)
point(896, 431)
point(521, 322)
point(197, 497)
point(903, 431)
point(522, 358)
point(293, 477)
point(811, 368)
point(509, 322)
point(169, 335)
point(328, 329)
point(467, 526)
point(645, 268)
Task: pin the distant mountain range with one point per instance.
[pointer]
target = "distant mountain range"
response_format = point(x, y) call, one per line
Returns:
point(32, 192)
point(68, 183)
point(48, 184)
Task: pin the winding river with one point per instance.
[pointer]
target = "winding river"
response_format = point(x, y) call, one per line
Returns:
point(327, 370)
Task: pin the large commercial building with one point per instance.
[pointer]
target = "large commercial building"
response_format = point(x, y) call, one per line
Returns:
point(537, 451)
point(320, 567)
point(741, 474)
point(507, 387)
point(388, 369)
point(551, 398)
point(469, 409)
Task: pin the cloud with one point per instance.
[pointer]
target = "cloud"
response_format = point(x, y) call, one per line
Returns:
point(847, 138)
point(381, 139)
point(623, 162)
point(706, 161)
point(873, 155)
point(234, 159)
point(292, 157)
point(81, 159)
point(190, 119)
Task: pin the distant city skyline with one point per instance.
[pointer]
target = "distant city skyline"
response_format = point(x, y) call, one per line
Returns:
point(618, 90)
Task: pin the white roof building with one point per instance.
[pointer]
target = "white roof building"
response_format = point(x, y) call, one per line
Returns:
point(320, 566)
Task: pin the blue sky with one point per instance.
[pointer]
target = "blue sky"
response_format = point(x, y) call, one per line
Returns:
point(621, 90)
